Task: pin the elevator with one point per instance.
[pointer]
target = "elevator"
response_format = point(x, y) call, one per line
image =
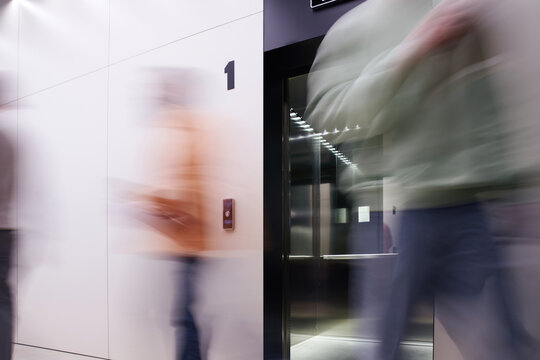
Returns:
point(329, 257)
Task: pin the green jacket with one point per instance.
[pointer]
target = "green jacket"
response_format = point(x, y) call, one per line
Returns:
point(442, 142)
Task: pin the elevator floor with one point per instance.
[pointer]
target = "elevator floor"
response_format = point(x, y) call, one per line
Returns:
point(335, 348)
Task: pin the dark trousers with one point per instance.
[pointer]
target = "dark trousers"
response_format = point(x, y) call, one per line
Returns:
point(441, 251)
point(6, 305)
point(186, 331)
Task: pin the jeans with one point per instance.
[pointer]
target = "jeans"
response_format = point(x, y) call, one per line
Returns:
point(186, 331)
point(442, 251)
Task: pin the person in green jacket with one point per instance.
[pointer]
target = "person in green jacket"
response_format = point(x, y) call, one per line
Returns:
point(416, 75)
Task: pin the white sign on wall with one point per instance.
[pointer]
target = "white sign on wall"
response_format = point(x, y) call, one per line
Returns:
point(363, 214)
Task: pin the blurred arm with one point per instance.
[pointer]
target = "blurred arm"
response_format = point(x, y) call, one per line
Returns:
point(353, 85)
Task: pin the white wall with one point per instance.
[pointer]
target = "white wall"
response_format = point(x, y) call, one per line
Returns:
point(76, 66)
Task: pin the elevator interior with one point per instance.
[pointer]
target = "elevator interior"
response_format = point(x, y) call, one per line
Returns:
point(342, 248)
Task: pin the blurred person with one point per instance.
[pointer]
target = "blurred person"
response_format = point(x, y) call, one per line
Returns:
point(173, 203)
point(419, 75)
point(513, 216)
point(7, 241)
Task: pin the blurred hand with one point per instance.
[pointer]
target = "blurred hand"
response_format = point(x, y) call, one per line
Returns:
point(446, 23)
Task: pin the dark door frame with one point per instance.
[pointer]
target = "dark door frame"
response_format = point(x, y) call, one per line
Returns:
point(279, 64)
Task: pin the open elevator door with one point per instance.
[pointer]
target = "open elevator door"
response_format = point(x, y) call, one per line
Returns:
point(329, 256)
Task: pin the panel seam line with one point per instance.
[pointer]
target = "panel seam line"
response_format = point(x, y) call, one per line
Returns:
point(130, 57)
point(62, 351)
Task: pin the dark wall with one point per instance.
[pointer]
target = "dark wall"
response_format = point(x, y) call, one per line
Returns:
point(290, 21)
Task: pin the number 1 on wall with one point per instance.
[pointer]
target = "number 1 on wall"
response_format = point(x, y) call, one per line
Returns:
point(229, 70)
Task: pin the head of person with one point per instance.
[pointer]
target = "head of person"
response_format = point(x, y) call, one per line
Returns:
point(176, 87)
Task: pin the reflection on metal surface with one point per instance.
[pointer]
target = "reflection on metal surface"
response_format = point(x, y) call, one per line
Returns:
point(341, 215)
point(357, 256)
point(344, 256)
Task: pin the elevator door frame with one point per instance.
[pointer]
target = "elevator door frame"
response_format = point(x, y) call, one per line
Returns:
point(279, 65)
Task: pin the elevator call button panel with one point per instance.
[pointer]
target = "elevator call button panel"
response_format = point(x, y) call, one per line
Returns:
point(228, 214)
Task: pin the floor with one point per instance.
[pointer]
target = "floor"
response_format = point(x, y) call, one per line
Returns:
point(315, 348)
point(21, 352)
point(324, 348)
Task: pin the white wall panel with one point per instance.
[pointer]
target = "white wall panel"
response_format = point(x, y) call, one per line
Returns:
point(230, 306)
point(9, 15)
point(61, 39)
point(140, 25)
point(62, 217)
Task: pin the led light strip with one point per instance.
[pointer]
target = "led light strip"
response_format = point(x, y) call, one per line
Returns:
point(298, 121)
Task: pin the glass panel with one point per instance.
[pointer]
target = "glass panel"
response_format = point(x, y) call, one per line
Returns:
point(303, 196)
point(342, 243)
